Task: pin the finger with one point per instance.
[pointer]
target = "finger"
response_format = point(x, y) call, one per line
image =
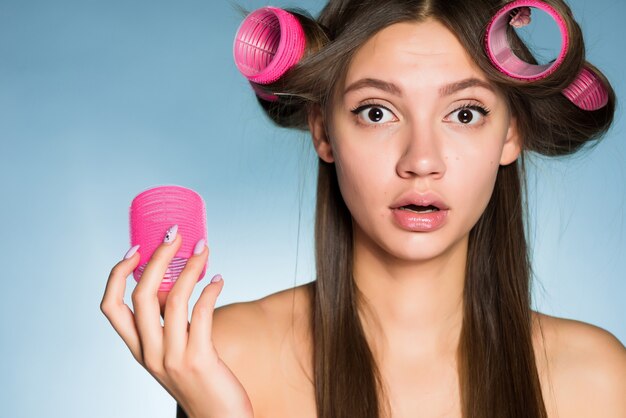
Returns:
point(177, 305)
point(162, 297)
point(202, 317)
point(117, 312)
point(146, 303)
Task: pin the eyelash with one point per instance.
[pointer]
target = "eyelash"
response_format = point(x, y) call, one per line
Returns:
point(366, 106)
point(484, 111)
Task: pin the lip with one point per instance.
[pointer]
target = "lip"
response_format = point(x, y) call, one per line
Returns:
point(414, 197)
point(420, 222)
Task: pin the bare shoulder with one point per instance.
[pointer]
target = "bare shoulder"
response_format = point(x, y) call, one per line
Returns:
point(587, 367)
point(261, 321)
point(248, 336)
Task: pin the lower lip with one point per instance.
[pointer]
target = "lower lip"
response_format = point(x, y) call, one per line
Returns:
point(420, 222)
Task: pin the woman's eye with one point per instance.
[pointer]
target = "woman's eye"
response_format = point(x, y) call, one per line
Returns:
point(468, 115)
point(374, 114)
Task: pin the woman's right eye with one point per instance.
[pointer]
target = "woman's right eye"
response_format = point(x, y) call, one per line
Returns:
point(374, 114)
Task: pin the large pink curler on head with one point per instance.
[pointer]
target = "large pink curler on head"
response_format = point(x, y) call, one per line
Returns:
point(268, 43)
point(499, 49)
point(155, 210)
point(586, 91)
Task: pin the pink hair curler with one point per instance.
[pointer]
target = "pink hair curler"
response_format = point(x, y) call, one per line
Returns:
point(268, 43)
point(586, 91)
point(155, 210)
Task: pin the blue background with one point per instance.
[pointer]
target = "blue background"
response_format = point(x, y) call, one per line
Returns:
point(100, 100)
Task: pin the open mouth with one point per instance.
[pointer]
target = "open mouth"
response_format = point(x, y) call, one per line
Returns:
point(419, 209)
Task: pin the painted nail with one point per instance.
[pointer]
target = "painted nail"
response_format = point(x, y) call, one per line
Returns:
point(131, 252)
point(199, 247)
point(216, 278)
point(170, 236)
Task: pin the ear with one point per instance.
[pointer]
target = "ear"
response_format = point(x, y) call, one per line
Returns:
point(321, 142)
point(512, 144)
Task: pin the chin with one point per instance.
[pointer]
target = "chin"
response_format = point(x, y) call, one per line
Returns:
point(417, 253)
point(408, 246)
point(423, 246)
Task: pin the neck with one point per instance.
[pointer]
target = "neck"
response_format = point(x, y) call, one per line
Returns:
point(412, 308)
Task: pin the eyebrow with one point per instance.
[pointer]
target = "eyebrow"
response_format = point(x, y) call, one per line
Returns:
point(375, 83)
point(452, 88)
point(391, 88)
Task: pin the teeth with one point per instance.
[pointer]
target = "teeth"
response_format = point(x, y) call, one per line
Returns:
point(420, 209)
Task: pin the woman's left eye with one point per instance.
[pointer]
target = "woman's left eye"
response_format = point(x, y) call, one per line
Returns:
point(468, 115)
point(374, 114)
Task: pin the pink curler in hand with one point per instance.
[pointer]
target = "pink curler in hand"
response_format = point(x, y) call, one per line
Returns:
point(268, 43)
point(153, 212)
point(586, 91)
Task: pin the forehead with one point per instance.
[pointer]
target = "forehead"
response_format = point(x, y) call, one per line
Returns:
point(425, 53)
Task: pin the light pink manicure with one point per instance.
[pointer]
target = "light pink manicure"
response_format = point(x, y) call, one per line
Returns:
point(199, 247)
point(170, 236)
point(131, 252)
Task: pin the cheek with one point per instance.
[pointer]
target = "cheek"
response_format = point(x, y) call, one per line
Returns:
point(472, 177)
point(362, 175)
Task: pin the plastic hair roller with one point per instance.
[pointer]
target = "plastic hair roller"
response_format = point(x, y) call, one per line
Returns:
point(155, 210)
point(268, 43)
point(586, 91)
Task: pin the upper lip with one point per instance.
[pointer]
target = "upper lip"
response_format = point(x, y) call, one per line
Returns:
point(414, 197)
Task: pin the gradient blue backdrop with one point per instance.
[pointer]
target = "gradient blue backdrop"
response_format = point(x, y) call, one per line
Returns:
point(100, 100)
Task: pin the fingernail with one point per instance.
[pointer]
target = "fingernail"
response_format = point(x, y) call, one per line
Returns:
point(170, 236)
point(131, 252)
point(216, 278)
point(199, 247)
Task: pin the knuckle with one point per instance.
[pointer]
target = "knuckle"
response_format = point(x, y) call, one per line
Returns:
point(138, 357)
point(139, 295)
point(158, 255)
point(197, 262)
point(166, 251)
point(135, 298)
point(153, 365)
point(172, 366)
point(116, 270)
point(192, 266)
point(202, 310)
point(195, 364)
point(106, 308)
point(175, 301)
point(120, 269)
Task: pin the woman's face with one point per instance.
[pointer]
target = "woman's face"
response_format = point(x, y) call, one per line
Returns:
point(416, 118)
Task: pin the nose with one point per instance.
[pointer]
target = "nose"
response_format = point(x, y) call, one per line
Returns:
point(421, 154)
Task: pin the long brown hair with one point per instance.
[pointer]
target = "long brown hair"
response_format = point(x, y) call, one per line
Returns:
point(496, 363)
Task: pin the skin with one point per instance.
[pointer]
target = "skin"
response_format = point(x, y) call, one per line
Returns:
point(258, 354)
point(179, 355)
point(414, 280)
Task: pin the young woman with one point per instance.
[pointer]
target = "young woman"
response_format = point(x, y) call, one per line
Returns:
point(421, 306)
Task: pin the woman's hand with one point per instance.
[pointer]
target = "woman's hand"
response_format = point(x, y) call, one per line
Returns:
point(180, 355)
